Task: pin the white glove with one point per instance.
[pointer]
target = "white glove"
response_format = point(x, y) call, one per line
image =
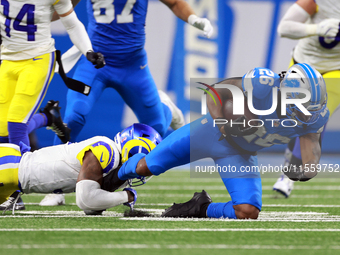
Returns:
point(328, 28)
point(202, 24)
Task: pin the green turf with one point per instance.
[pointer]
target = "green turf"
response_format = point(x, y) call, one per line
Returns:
point(177, 186)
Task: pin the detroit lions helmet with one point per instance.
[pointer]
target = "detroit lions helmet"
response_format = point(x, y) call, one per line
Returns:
point(306, 77)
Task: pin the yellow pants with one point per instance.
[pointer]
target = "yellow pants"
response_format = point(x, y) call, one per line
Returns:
point(23, 86)
point(10, 156)
point(332, 80)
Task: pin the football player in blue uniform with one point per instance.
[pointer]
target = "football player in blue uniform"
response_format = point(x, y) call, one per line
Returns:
point(117, 28)
point(201, 139)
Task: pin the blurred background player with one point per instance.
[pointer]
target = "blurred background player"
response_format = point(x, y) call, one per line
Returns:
point(117, 29)
point(82, 166)
point(28, 60)
point(316, 24)
point(201, 139)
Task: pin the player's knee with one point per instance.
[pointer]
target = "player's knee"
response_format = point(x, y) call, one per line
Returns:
point(246, 211)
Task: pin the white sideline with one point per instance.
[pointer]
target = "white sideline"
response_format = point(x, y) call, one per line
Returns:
point(169, 246)
point(169, 230)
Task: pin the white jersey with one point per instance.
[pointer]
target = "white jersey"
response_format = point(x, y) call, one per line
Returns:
point(56, 168)
point(25, 27)
point(321, 53)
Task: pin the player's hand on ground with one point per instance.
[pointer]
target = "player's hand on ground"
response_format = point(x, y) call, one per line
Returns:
point(297, 173)
point(96, 58)
point(202, 24)
point(328, 28)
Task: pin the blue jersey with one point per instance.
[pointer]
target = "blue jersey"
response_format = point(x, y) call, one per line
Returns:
point(117, 28)
point(274, 130)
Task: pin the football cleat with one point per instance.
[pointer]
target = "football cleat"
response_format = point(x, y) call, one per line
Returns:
point(284, 185)
point(14, 202)
point(54, 121)
point(131, 204)
point(177, 115)
point(53, 200)
point(194, 208)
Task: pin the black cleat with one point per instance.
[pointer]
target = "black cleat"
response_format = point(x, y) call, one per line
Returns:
point(8, 205)
point(54, 121)
point(194, 208)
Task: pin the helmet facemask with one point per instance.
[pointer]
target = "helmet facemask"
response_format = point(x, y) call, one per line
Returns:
point(305, 77)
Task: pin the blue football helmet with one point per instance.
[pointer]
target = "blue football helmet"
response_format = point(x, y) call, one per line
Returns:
point(137, 131)
point(306, 77)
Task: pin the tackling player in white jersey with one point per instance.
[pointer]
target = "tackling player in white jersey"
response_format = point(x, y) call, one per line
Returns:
point(316, 24)
point(89, 167)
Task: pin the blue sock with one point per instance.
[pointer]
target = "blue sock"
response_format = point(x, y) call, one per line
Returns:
point(128, 169)
point(17, 132)
point(4, 139)
point(38, 120)
point(221, 210)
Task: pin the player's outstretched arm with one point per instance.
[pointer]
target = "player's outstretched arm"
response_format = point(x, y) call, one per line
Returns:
point(310, 153)
point(293, 25)
point(184, 11)
point(77, 32)
point(89, 195)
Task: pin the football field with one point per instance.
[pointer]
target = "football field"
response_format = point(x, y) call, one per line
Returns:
point(306, 223)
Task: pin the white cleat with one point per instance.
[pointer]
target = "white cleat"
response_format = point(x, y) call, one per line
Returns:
point(177, 115)
point(53, 200)
point(284, 185)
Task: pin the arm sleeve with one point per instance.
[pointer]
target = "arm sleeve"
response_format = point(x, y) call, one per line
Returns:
point(293, 26)
point(89, 196)
point(74, 27)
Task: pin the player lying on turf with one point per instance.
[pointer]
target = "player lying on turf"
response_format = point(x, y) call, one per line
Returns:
point(88, 167)
point(200, 139)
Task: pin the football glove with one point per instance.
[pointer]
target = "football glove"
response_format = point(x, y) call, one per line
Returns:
point(202, 24)
point(328, 28)
point(295, 173)
point(96, 58)
point(238, 130)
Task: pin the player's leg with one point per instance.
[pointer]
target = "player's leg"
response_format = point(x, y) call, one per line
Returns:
point(33, 81)
point(244, 188)
point(332, 80)
point(79, 105)
point(139, 91)
point(9, 178)
point(8, 78)
point(187, 144)
point(243, 183)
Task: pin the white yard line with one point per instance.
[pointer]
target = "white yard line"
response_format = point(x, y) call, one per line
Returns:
point(169, 246)
point(169, 230)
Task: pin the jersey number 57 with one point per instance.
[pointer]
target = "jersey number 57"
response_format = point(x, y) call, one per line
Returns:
point(104, 12)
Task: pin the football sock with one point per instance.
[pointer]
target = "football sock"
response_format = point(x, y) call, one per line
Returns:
point(4, 139)
point(17, 132)
point(128, 169)
point(221, 210)
point(38, 120)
